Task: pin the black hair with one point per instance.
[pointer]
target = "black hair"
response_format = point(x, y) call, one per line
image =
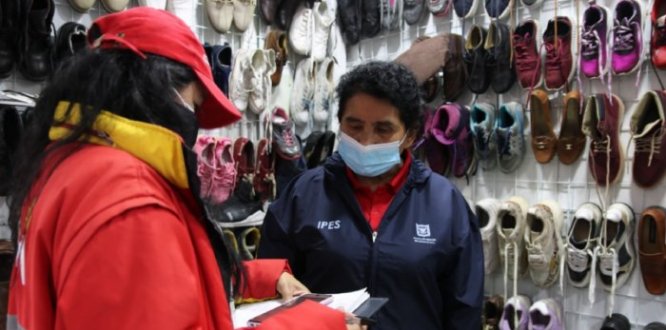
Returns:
point(123, 83)
point(387, 81)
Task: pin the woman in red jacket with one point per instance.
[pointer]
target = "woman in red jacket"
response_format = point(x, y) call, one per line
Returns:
point(109, 232)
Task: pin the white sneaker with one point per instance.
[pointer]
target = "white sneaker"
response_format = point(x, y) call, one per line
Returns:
point(510, 229)
point(240, 80)
point(516, 313)
point(616, 244)
point(546, 314)
point(581, 241)
point(114, 6)
point(324, 95)
point(302, 97)
point(324, 15)
point(157, 4)
point(486, 211)
point(281, 95)
point(243, 13)
point(302, 30)
point(543, 242)
point(185, 10)
point(220, 14)
point(262, 66)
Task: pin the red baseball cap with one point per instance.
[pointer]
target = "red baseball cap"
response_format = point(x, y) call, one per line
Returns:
point(146, 30)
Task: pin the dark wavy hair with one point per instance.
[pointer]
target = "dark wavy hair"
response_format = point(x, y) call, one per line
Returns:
point(120, 82)
point(387, 81)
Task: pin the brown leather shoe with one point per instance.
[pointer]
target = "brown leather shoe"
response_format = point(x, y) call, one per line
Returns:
point(544, 141)
point(277, 41)
point(427, 57)
point(571, 143)
point(601, 123)
point(652, 249)
point(648, 128)
point(492, 312)
point(455, 71)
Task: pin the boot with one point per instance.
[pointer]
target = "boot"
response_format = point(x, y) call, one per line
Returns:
point(36, 63)
point(8, 32)
point(70, 39)
point(10, 134)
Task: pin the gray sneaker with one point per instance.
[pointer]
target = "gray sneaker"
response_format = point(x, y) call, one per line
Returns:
point(482, 121)
point(509, 133)
point(284, 137)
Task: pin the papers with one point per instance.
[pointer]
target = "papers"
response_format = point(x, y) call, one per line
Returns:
point(348, 301)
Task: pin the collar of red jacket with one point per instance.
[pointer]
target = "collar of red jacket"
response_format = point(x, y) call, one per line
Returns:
point(159, 147)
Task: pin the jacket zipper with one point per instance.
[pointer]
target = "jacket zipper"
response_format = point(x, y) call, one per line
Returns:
point(374, 236)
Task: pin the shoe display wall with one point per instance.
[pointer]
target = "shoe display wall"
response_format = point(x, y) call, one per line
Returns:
point(580, 72)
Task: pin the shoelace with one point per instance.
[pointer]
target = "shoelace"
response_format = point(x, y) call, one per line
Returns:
point(524, 59)
point(511, 250)
point(648, 144)
point(623, 35)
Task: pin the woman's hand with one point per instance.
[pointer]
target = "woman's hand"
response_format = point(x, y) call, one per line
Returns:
point(354, 323)
point(288, 286)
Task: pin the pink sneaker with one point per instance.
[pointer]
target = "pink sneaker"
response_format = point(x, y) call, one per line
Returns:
point(224, 177)
point(627, 37)
point(206, 163)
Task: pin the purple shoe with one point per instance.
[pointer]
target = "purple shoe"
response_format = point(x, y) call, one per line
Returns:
point(437, 154)
point(593, 58)
point(546, 314)
point(450, 128)
point(516, 314)
point(627, 37)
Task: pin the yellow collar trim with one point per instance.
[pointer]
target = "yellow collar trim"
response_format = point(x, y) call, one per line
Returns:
point(159, 147)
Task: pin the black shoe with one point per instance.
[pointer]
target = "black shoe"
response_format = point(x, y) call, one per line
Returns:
point(655, 326)
point(323, 149)
point(475, 58)
point(349, 19)
point(286, 10)
point(219, 58)
point(498, 8)
point(413, 11)
point(70, 39)
point(371, 22)
point(616, 322)
point(10, 135)
point(37, 45)
point(9, 30)
point(499, 65)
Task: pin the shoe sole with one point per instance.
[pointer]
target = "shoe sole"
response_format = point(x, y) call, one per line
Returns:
point(77, 7)
point(642, 52)
point(629, 232)
point(619, 128)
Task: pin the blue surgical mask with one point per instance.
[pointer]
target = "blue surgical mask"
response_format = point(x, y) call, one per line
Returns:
point(371, 160)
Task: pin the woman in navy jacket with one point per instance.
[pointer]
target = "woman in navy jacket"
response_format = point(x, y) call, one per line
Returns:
point(373, 217)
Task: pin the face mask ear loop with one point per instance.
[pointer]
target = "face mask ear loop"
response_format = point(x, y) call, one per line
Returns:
point(182, 101)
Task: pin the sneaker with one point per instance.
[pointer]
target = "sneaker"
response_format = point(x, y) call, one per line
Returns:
point(655, 326)
point(627, 37)
point(391, 12)
point(601, 123)
point(245, 163)
point(241, 80)
point(492, 312)
point(509, 131)
point(648, 129)
point(81, 6)
point(440, 8)
point(582, 239)
point(498, 9)
point(616, 246)
point(224, 177)
point(283, 135)
point(616, 322)
point(324, 94)
point(544, 140)
point(546, 314)
point(486, 211)
point(413, 11)
point(543, 242)
point(532, 4)
point(324, 16)
point(205, 148)
point(482, 122)
point(571, 142)
point(475, 57)
point(652, 249)
point(511, 223)
point(658, 39)
point(262, 66)
point(499, 63)
point(219, 57)
point(278, 42)
point(465, 8)
point(302, 97)
point(516, 314)
point(220, 14)
point(114, 6)
point(370, 20)
point(243, 13)
point(593, 56)
point(559, 59)
point(186, 10)
point(157, 4)
point(527, 57)
point(300, 32)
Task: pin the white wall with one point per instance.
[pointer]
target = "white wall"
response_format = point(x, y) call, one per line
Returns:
point(570, 185)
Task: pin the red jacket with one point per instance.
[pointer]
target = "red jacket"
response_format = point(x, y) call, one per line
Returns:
point(107, 243)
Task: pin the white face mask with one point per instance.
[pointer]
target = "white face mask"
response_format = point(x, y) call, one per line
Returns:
point(183, 102)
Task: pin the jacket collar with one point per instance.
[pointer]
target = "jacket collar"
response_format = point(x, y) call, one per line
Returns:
point(159, 147)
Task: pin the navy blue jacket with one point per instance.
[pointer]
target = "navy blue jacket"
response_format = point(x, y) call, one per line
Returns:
point(426, 255)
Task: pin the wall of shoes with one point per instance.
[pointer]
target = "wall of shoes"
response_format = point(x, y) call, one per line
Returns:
point(546, 187)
